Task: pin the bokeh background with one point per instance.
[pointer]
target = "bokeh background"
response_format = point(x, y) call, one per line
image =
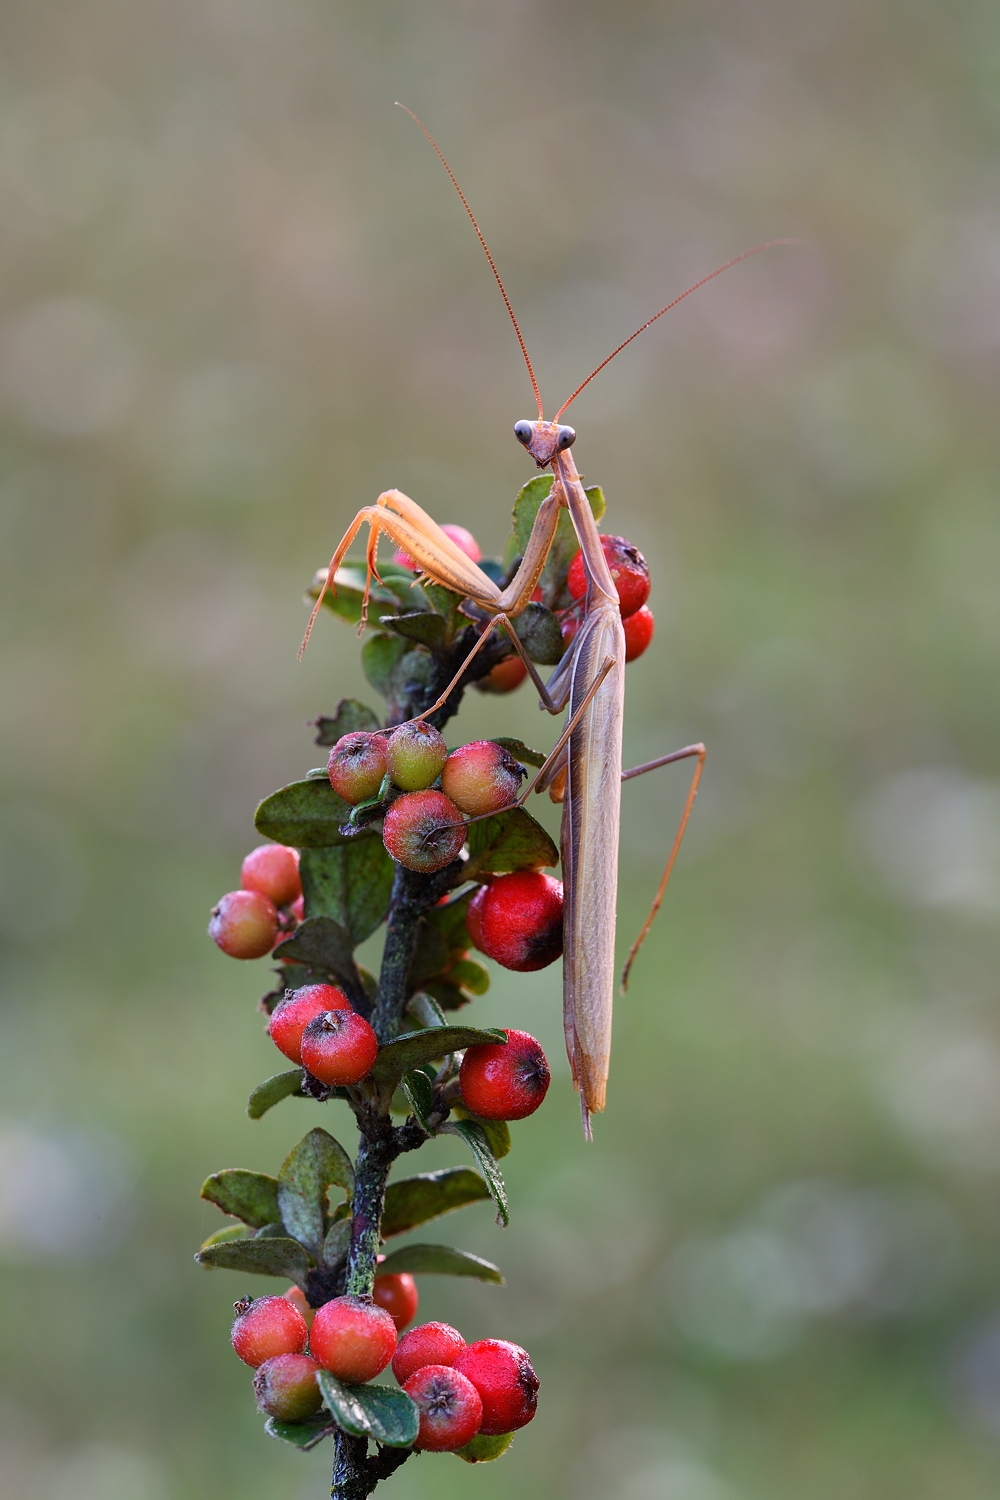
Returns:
point(238, 298)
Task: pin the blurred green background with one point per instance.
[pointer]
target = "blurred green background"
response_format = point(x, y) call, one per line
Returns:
point(239, 298)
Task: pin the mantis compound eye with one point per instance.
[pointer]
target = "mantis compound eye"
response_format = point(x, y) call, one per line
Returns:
point(522, 431)
point(567, 437)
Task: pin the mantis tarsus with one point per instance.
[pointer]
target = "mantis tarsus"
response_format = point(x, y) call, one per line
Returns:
point(584, 770)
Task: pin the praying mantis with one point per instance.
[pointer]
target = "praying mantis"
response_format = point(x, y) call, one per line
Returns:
point(584, 770)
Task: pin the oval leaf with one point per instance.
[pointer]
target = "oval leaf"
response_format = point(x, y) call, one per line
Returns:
point(306, 814)
point(250, 1196)
point(510, 841)
point(419, 1047)
point(269, 1093)
point(425, 628)
point(317, 1163)
point(269, 1257)
point(484, 1447)
point(414, 1200)
point(323, 944)
point(351, 717)
point(225, 1236)
point(374, 1411)
point(497, 1132)
point(350, 883)
point(538, 631)
point(474, 1137)
point(301, 1435)
point(522, 752)
point(439, 1260)
point(419, 1094)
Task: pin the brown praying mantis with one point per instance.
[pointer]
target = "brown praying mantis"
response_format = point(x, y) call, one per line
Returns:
point(584, 769)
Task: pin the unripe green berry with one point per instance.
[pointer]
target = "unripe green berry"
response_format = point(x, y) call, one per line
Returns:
point(414, 755)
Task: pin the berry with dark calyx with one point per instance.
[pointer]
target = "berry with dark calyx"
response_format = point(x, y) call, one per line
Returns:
point(485, 1447)
point(424, 831)
point(505, 1380)
point(481, 777)
point(244, 924)
point(292, 1015)
point(429, 1344)
point(297, 1297)
point(414, 755)
point(286, 1388)
point(352, 1338)
point(638, 632)
point(462, 538)
point(504, 1082)
point(357, 766)
point(339, 1047)
point(473, 917)
point(629, 570)
point(504, 677)
point(265, 1327)
point(273, 869)
point(450, 1407)
point(398, 1294)
point(520, 920)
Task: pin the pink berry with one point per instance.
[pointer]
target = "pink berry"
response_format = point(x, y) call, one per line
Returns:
point(520, 920)
point(451, 1409)
point(504, 677)
point(244, 924)
point(272, 869)
point(339, 1047)
point(638, 632)
point(474, 917)
point(629, 570)
point(504, 1082)
point(481, 778)
point(265, 1327)
point(356, 766)
point(398, 1294)
point(424, 831)
point(430, 1344)
point(297, 1297)
point(507, 1385)
point(462, 539)
point(286, 1388)
point(352, 1338)
point(292, 1015)
point(414, 755)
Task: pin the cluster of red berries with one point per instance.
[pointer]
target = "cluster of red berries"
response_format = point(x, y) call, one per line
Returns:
point(459, 1389)
point(247, 923)
point(630, 572)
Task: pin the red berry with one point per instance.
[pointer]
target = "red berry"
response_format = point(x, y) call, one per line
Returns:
point(451, 1409)
point(397, 1293)
point(265, 1327)
point(569, 624)
point(286, 1388)
point(352, 1338)
point(298, 909)
point(504, 677)
point(504, 1083)
point(414, 755)
point(481, 778)
point(357, 766)
point(292, 1015)
point(430, 1344)
point(339, 1047)
point(244, 924)
point(638, 632)
point(474, 917)
point(272, 869)
point(502, 1374)
point(297, 1297)
point(463, 539)
point(629, 570)
point(520, 920)
point(424, 831)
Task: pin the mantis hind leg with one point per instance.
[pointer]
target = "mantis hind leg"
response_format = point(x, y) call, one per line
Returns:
point(689, 752)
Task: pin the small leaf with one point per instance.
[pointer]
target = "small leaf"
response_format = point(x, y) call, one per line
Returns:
point(447, 996)
point(430, 953)
point(374, 1411)
point(268, 1257)
point(538, 631)
point(380, 657)
point(565, 543)
point(250, 1196)
point(419, 1093)
point(425, 1010)
point(426, 629)
point(510, 841)
point(449, 920)
point(350, 883)
point(439, 1260)
point(306, 814)
point(351, 717)
point(225, 1236)
point(323, 944)
point(497, 1132)
point(418, 1047)
point(522, 752)
point(475, 1138)
point(308, 1171)
point(484, 1447)
point(415, 1200)
point(337, 1242)
point(346, 598)
point(271, 1092)
point(469, 975)
point(302, 1435)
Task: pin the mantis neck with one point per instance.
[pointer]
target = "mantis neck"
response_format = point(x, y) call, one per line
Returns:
point(599, 580)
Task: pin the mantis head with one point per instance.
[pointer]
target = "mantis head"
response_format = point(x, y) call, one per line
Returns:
point(544, 439)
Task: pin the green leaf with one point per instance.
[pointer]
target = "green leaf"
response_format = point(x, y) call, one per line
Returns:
point(268, 1257)
point(302, 1435)
point(380, 658)
point(323, 944)
point(308, 1171)
point(225, 1236)
point(497, 1132)
point(484, 1447)
point(565, 544)
point(306, 814)
point(430, 953)
point(474, 1137)
point(374, 1411)
point(425, 628)
point(469, 975)
point(522, 752)
point(419, 1093)
point(510, 841)
point(346, 598)
point(351, 717)
point(446, 995)
point(271, 1092)
point(425, 1010)
point(415, 1200)
point(418, 1047)
point(351, 884)
point(439, 1260)
point(538, 631)
point(337, 1242)
point(250, 1196)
